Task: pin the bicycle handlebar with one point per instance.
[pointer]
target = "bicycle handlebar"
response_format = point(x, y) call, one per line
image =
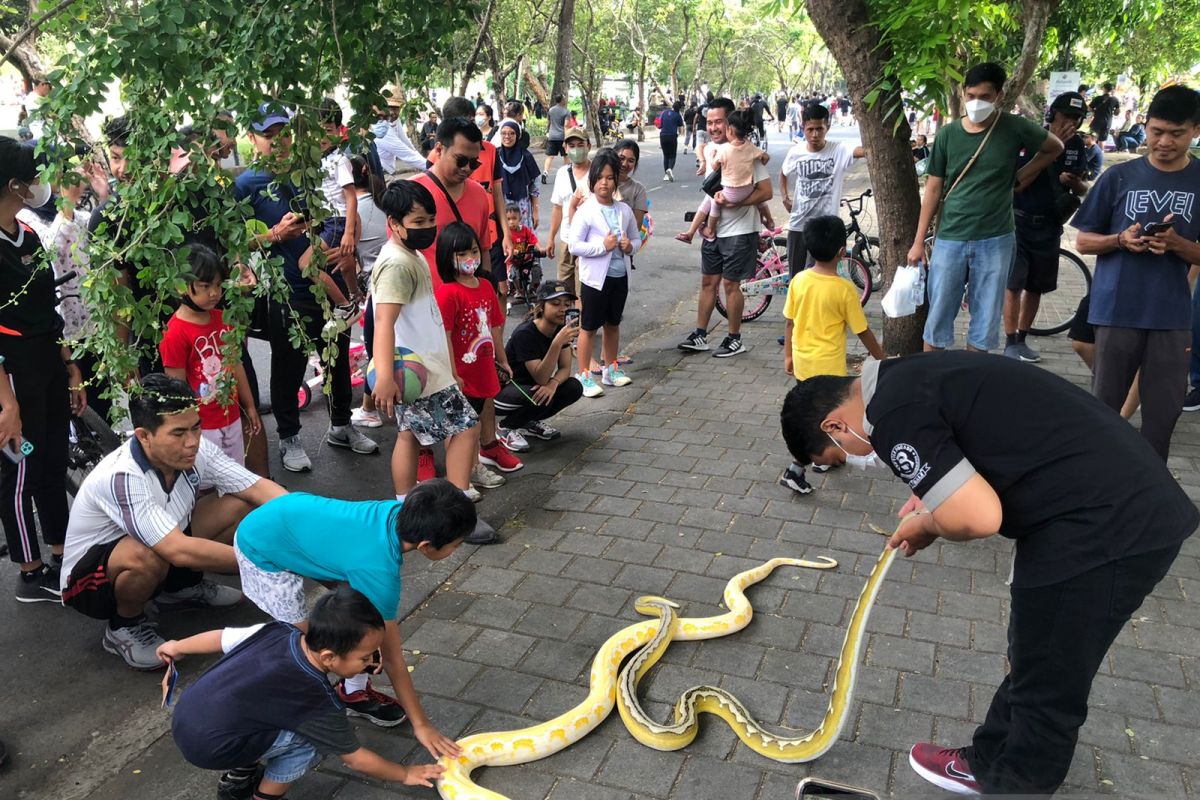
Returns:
point(860, 200)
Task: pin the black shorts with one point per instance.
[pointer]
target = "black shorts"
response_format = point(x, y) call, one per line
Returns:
point(1035, 261)
point(603, 306)
point(554, 147)
point(89, 591)
point(731, 257)
point(476, 403)
point(497, 273)
point(1081, 330)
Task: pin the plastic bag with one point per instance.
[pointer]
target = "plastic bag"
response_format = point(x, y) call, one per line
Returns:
point(907, 292)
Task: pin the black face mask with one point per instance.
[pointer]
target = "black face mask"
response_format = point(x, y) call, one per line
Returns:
point(420, 238)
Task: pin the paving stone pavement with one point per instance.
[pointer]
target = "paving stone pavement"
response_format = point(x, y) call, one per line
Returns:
point(679, 495)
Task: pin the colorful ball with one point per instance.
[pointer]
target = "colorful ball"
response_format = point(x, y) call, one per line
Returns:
point(410, 374)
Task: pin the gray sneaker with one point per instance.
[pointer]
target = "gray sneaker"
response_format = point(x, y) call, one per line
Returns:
point(205, 594)
point(137, 645)
point(1022, 352)
point(352, 438)
point(291, 452)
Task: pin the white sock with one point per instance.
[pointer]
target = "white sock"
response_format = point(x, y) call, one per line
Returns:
point(355, 684)
point(401, 497)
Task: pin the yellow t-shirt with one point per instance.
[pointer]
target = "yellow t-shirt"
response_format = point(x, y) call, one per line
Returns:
point(820, 307)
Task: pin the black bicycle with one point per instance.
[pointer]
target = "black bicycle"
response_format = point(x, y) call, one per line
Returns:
point(863, 248)
point(90, 439)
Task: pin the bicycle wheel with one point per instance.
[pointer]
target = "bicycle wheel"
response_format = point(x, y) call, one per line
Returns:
point(90, 439)
point(757, 309)
point(856, 272)
point(1057, 310)
point(866, 250)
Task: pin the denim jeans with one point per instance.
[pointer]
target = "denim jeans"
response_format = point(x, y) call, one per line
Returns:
point(982, 267)
point(289, 757)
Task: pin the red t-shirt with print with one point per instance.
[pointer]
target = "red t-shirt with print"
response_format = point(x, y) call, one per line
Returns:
point(473, 206)
point(469, 315)
point(196, 349)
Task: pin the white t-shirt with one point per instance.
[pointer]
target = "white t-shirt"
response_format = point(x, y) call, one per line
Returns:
point(337, 176)
point(125, 496)
point(815, 180)
point(561, 196)
point(743, 220)
point(402, 277)
point(374, 230)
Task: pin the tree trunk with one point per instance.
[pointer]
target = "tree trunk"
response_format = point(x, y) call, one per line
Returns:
point(1034, 18)
point(854, 40)
point(25, 58)
point(641, 133)
point(535, 84)
point(485, 24)
point(687, 23)
point(562, 53)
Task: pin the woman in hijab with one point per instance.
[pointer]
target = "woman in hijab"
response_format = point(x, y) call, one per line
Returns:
point(520, 173)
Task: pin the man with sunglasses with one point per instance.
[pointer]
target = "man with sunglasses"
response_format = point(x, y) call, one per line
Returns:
point(458, 199)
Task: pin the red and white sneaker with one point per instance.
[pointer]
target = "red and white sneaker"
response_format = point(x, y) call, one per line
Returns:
point(498, 456)
point(426, 470)
point(943, 767)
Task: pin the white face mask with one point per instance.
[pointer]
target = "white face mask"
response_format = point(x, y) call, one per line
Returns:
point(979, 110)
point(39, 194)
point(862, 462)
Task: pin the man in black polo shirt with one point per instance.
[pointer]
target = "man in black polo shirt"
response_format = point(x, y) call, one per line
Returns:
point(989, 446)
point(1039, 213)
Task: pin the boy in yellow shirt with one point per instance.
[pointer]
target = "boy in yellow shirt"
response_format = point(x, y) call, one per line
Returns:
point(820, 305)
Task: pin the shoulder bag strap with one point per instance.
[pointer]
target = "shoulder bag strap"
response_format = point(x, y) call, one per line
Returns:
point(438, 183)
point(942, 203)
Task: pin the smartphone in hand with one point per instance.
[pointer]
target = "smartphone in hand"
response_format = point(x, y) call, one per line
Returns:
point(1154, 228)
point(572, 316)
point(15, 452)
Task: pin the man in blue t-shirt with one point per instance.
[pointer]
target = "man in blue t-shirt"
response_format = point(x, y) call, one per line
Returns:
point(278, 205)
point(269, 699)
point(1140, 220)
point(362, 544)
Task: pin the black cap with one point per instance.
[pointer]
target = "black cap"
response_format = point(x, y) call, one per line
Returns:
point(549, 290)
point(1070, 103)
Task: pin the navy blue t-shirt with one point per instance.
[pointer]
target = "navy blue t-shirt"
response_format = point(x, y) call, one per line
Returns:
point(671, 122)
point(271, 198)
point(1141, 290)
point(234, 712)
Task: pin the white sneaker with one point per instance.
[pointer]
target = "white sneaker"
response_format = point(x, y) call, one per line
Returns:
point(482, 476)
point(365, 419)
point(514, 440)
point(590, 387)
point(137, 645)
point(473, 493)
point(614, 376)
point(205, 594)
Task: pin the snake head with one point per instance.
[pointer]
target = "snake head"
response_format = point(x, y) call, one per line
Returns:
point(653, 605)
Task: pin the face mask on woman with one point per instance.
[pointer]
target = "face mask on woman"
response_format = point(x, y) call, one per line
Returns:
point(480, 121)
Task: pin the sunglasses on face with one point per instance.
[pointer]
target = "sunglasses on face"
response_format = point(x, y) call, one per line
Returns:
point(461, 161)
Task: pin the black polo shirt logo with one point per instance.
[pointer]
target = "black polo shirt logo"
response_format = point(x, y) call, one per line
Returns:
point(908, 464)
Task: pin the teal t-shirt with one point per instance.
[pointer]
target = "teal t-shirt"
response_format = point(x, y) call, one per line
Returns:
point(981, 207)
point(329, 540)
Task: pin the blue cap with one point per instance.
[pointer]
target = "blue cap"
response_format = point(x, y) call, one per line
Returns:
point(270, 113)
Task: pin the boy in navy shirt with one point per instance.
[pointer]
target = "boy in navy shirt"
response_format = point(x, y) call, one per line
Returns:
point(1141, 306)
point(269, 699)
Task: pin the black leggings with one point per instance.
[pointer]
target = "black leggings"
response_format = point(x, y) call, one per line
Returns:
point(288, 365)
point(517, 410)
point(670, 146)
point(39, 479)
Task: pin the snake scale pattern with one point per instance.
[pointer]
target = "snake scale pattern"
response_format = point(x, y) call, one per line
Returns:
point(609, 686)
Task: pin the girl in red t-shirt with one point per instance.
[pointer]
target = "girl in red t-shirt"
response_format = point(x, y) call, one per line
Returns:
point(192, 350)
point(474, 323)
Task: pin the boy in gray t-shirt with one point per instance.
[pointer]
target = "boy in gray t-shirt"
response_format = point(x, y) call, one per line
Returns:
point(555, 133)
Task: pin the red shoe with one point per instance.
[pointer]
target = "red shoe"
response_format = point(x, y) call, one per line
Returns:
point(498, 456)
point(425, 468)
point(944, 768)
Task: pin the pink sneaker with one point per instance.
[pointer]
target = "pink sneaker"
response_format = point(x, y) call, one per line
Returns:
point(944, 768)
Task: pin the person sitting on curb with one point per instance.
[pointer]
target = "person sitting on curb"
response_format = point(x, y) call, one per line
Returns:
point(269, 700)
point(139, 529)
point(539, 352)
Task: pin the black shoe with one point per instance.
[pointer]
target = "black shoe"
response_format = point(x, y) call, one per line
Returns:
point(1191, 402)
point(795, 481)
point(730, 347)
point(694, 341)
point(39, 586)
point(543, 179)
point(376, 707)
point(820, 467)
point(239, 783)
point(483, 534)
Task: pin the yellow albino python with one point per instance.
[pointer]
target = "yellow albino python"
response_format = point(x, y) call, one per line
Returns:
point(509, 748)
point(717, 701)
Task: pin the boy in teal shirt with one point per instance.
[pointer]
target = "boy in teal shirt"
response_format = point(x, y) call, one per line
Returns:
point(361, 544)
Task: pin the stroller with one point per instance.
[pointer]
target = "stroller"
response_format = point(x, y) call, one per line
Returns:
point(524, 275)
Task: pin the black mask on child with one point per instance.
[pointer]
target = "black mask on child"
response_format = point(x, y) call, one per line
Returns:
point(420, 238)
